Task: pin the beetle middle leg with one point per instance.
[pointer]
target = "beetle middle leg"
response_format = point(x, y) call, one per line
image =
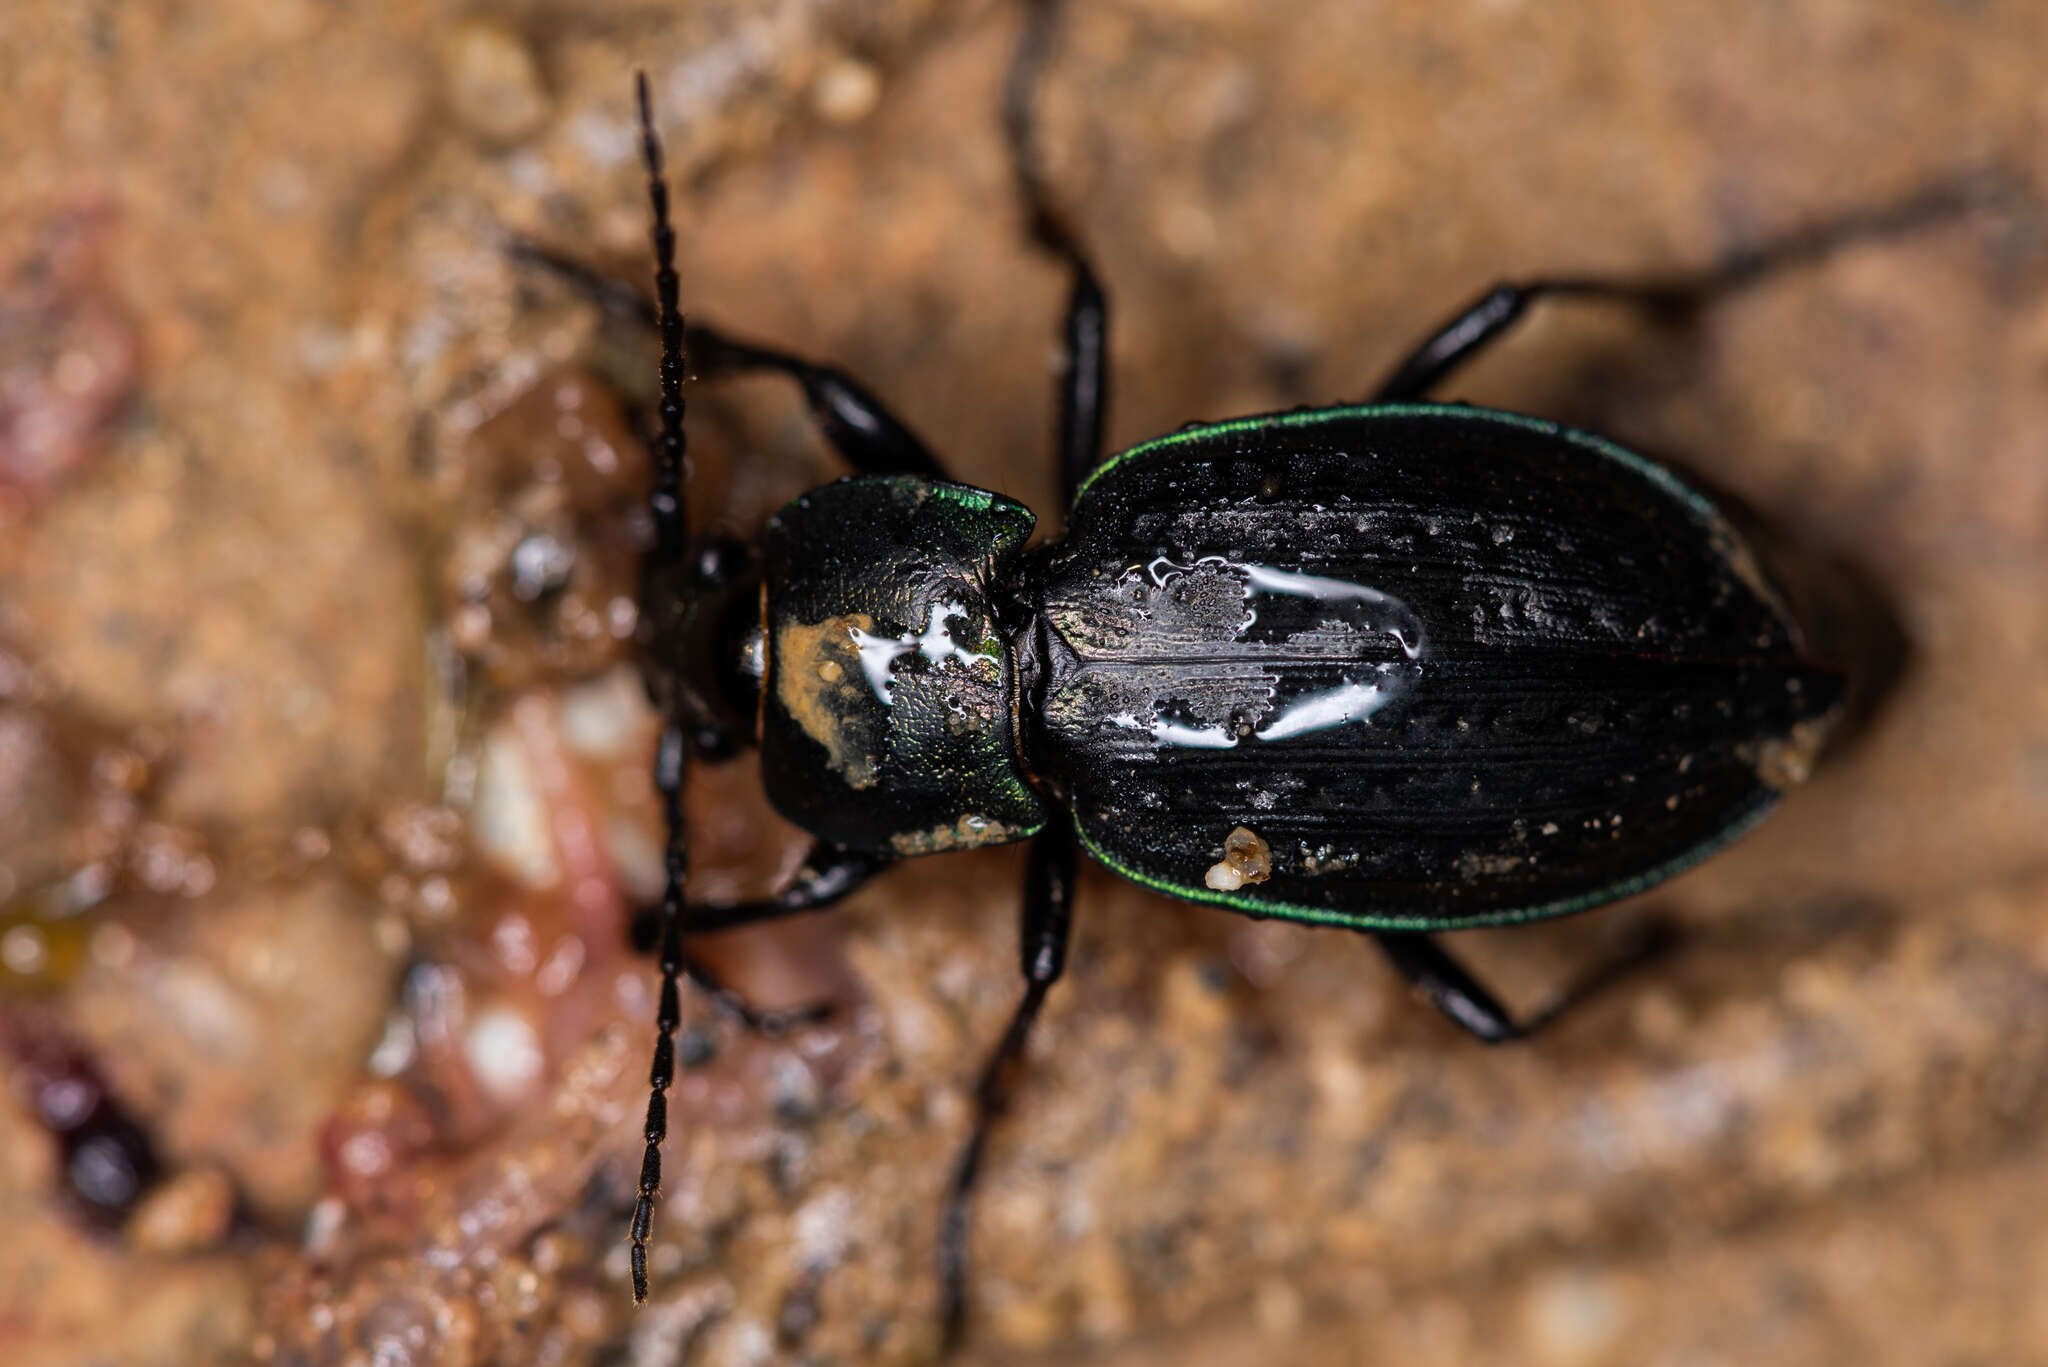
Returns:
point(1084, 373)
point(1042, 949)
point(1047, 913)
point(866, 434)
point(1452, 989)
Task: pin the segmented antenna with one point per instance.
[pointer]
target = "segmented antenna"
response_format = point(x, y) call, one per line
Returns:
point(668, 454)
point(665, 566)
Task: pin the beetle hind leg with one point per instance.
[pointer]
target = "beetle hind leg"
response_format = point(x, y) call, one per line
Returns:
point(1465, 1001)
point(867, 436)
point(1485, 319)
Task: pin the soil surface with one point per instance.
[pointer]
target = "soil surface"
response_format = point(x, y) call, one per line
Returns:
point(323, 768)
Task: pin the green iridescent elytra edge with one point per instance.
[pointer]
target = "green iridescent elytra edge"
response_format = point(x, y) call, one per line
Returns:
point(1456, 667)
point(1368, 920)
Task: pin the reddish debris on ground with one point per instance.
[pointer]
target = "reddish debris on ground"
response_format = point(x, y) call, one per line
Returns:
point(69, 356)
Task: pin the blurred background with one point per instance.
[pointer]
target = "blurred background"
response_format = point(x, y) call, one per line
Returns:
point(322, 763)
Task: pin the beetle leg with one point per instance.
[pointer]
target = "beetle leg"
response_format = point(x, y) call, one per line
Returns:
point(1429, 967)
point(1453, 990)
point(829, 873)
point(772, 1024)
point(1084, 367)
point(867, 436)
point(1042, 944)
point(1481, 322)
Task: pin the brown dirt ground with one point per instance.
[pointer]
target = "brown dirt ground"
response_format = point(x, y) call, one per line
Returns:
point(1814, 1134)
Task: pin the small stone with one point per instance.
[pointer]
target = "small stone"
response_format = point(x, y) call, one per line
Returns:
point(504, 1052)
point(184, 1214)
point(1277, 1306)
point(492, 81)
point(1574, 1316)
point(846, 91)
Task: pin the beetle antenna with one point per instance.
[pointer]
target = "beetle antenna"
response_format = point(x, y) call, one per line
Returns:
point(667, 503)
point(664, 573)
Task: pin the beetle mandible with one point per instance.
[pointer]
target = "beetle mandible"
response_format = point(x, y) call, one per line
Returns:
point(1396, 666)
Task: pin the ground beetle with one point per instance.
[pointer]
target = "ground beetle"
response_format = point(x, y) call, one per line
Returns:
point(1399, 667)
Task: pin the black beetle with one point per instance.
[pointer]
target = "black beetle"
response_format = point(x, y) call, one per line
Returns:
point(1399, 667)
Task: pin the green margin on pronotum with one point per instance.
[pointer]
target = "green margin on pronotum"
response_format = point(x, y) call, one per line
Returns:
point(1324, 916)
point(1696, 503)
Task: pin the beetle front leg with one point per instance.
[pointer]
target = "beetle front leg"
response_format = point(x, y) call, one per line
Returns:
point(771, 1023)
point(1042, 945)
point(829, 872)
point(1453, 990)
point(866, 434)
